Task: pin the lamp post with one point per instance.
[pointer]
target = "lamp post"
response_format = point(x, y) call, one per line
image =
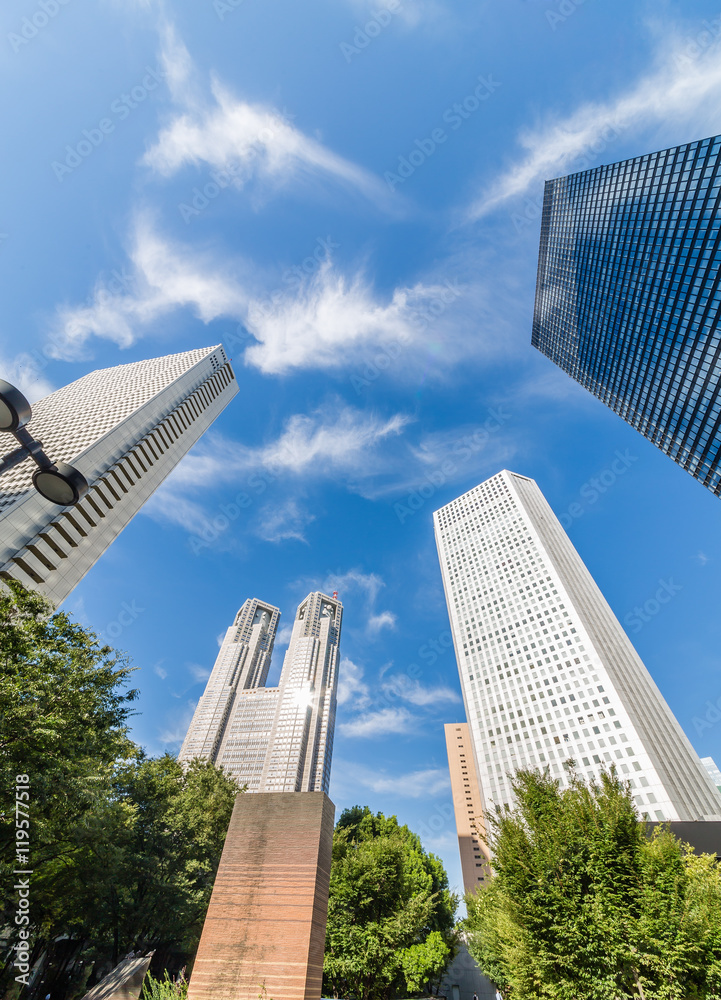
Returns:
point(60, 483)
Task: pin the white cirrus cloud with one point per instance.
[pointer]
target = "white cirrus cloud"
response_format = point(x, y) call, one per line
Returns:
point(164, 277)
point(352, 689)
point(25, 373)
point(198, 672)
point(384, 619)
point(410, 785)
point(280, 522)
point(332, 321)
point(678, 91)
point(242, 139)
point(333, 441)
point(385, 722)
point(414, 692)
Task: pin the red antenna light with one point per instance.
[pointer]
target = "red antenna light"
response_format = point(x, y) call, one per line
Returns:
point(335, 594)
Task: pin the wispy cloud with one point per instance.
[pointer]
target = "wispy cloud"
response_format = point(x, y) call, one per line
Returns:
point(332, 321)
point(25, 374)
point(244, 140)
point(677, 91)
point(335, 441)
point(385, 619)
point(352, 689)
point(385, 722)
point(411, 785)
point(279, 522)
point(414, 692)
point(198, 672)
point(164, 277)
point(173, 732)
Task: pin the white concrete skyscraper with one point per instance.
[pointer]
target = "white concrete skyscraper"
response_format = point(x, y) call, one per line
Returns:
point(272, 739)
point(546, 670)
point(125, 429)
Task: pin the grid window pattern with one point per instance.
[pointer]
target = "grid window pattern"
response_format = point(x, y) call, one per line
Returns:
point(272, 739)
point(539, 685)
point(126, 428)
point(628, 295)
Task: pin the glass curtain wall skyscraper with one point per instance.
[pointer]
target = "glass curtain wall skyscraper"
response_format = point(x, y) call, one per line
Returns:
point(628, 295)
point(546, 670)
point(276, 739)
point(125, 428)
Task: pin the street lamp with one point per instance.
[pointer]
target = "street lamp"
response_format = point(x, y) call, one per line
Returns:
point(60, 483)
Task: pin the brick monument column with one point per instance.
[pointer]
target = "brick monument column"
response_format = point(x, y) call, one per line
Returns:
point(265, 925)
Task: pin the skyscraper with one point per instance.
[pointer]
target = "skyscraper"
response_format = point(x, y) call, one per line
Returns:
point(628, 295)
point(125, 429)
point(546, 670)
point(272, 739)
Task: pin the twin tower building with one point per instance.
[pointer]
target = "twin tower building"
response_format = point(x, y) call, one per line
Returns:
point(272, 739)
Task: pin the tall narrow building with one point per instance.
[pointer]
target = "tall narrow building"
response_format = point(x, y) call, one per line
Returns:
point(467, 806)
point(546, 670)
point(272, 739)
point(628, 296)
point(125, 429)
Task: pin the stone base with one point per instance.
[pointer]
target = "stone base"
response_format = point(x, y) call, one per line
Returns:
point(265, 927)
point(125, 981)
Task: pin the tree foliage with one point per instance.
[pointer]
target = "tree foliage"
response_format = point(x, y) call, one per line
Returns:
point(390, 915)
point(585, 905)
point(124, 848)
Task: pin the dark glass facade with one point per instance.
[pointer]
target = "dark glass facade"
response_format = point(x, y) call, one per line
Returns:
point(628, 295)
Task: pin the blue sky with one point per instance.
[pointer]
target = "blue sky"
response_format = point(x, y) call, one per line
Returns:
point(346, 194)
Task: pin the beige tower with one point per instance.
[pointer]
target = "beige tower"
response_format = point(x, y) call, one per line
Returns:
point(468, 806)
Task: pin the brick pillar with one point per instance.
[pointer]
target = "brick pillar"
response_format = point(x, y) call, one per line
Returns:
point(266, 920)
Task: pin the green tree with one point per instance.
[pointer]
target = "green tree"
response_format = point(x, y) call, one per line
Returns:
point(390, 914)
point(124, 848)
point(64, 708)
point(585, 906)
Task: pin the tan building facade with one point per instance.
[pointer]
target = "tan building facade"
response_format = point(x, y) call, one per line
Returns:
point(468, 806)
point(264, 934)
